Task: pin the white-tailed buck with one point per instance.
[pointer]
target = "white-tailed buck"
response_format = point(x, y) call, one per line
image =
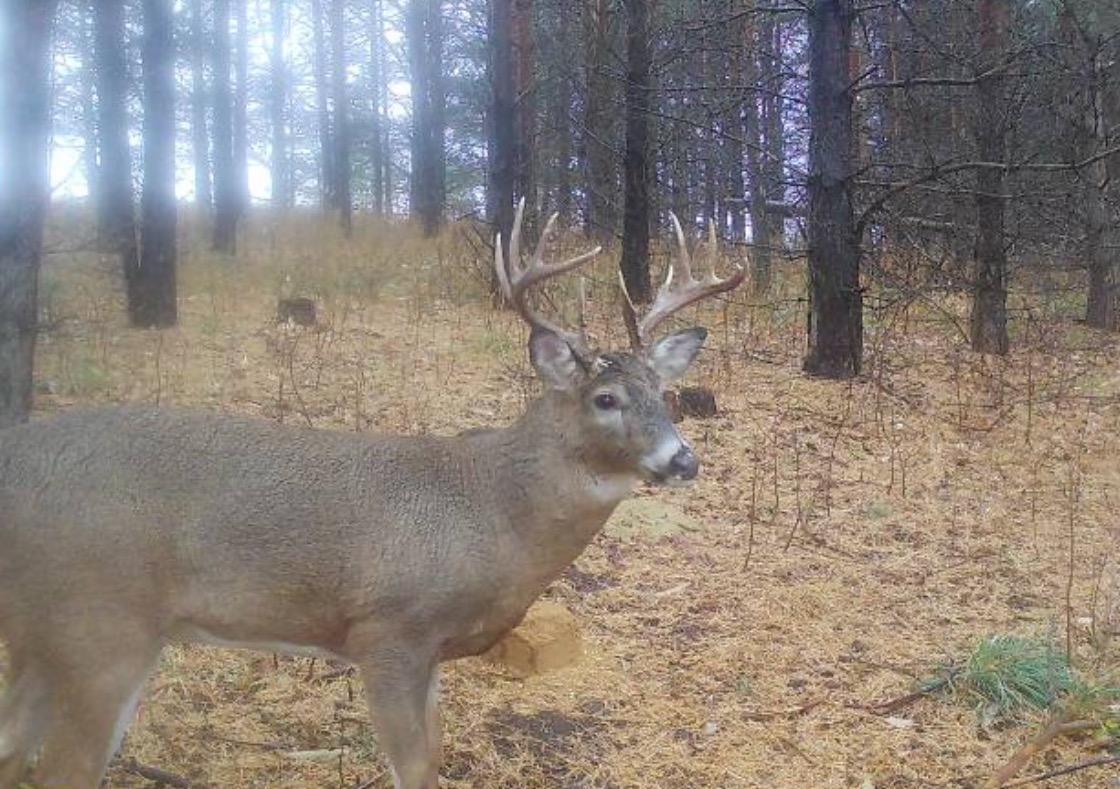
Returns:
point(125, 529)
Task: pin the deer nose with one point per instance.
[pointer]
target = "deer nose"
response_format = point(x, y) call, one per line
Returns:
point(684, 464)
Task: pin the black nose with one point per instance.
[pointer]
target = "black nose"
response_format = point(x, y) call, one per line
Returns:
point(684, 464)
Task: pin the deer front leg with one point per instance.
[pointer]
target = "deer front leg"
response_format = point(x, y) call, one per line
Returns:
point(402, 690)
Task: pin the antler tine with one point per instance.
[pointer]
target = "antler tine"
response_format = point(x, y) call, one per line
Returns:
point(518, 278)
point(689, 289)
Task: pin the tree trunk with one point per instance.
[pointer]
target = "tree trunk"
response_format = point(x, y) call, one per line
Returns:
point(225, 176)
point(241, 109)
point(988, 321)
point(86, 11)
point(117, 219)
point(326, 147)
point(499, 186)
point(424, 31)
point(562, 117)
point(636, 169)
point(24, 133)
point(377, 152)
point(773, 124)
point(200, 142)
point(836, 302)
point(278, 101)
point(341, 122)
point(600, 159)
point(524, 57)
point(761, 228)
point(155, 278)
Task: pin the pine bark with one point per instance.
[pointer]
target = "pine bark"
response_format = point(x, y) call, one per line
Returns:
point(836, 301)
point(501, 148)
point(636, 166)
point(24, 135)
point(154, 281)
point(278, 103)
point(200, 140)
point(341, 120)
point(988, 321)
point(116, 210)
point(225, 177)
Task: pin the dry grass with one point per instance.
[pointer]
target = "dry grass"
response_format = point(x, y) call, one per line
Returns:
point(854, 535)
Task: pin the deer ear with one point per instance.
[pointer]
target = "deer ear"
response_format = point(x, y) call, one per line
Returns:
point(672, 355)
point(556, 362)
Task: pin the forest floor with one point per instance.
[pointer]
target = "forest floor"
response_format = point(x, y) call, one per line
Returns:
point(848, 539)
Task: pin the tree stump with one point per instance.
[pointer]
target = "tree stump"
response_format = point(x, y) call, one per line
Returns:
point(695, 401)
point(547, 639)
point(299, 310)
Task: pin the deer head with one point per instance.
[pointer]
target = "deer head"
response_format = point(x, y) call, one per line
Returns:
point(615, 407)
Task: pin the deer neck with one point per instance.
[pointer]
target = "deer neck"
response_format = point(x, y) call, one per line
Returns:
point(555, 498)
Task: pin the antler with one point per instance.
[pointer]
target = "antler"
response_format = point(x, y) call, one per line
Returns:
point(518, 278)
point(689, 289)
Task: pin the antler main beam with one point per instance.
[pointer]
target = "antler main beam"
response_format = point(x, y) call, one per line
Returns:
point(517, 278)
point(687, 289)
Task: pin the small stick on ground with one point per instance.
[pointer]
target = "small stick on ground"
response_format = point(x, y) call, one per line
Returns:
point(1071, 768)
point(1021, 757)
point(161, 777)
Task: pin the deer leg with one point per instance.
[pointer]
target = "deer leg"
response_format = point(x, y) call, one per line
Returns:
point(23, 713)
point(403, 701)
point(95, 686)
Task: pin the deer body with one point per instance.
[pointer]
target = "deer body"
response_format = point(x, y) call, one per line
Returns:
point(125, 529)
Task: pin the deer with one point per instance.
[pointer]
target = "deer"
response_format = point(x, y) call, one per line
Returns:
point(125, 529)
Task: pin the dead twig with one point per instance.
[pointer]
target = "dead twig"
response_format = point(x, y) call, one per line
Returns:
point(792, 712)
point(1021, 757)
point(160, 777)
point(1071, 768)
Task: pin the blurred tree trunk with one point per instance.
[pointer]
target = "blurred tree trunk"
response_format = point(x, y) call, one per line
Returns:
point(200, 142)
point(761, 228)
point(278, 101)
point(86, 11)
point(636, 168)
point(1090, 119)
point(116, 212)
point(773, 74)
point(988, 321)
point(25, 37)
point(836, 301)
point(341, 123)
point(525, 87)
point(597, 122)
point(377, 125)
point(565, 97)
point(499, 184)
point(326, 147)
point(154, 280)
point(424, 33)
point(241, 109)
point(225, 174)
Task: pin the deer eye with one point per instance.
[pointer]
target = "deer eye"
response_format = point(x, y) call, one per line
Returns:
point(606, 401)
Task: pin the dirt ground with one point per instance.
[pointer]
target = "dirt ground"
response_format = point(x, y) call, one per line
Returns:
point(847, 538)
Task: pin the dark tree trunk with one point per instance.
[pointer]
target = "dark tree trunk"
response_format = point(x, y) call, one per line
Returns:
point(87, 10)
point(384, 140)
point(200, 141)
point(154, 282)
point(988, 321)
point(564, 94)
point(377, 152)
point(524, 57)
point(599, 214)
point(836, 302)
point(499, 185)
point(761, 222)
point(636, 169)
point(241, 109)
point(773, 124)
point(24, 132)
point(225, 176)
point(341, 123)
point(326, 147)
point(278, 102)
point(424, 31)
point(116, 213)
